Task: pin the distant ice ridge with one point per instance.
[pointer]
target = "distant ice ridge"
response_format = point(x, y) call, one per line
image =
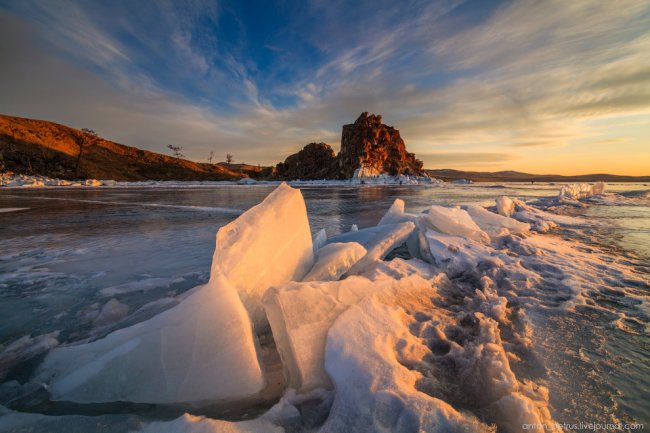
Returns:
point(581, 190)
point(368, 341)
point(34, 181)
point(26, 181)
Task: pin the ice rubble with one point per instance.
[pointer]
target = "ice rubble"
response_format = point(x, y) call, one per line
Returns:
point(378, 242)
point(268, 244)
point(581, 190)
point(384, 334)
point(455, 221)
point(8, 179)
point(300, 315)
point(495, 224)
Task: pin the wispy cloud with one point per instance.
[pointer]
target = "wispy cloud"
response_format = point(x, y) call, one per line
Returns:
point(463, 86)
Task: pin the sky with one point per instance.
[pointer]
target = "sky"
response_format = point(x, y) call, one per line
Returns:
point(552, 86)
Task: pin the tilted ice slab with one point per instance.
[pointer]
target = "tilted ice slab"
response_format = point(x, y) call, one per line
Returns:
point(268, 244)
point(378, 241)
point(455, 221)
point(334, 260)
point(495, 224)
point(201, 349)
point(301, 314)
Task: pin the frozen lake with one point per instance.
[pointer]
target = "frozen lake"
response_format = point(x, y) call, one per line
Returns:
point(65, 252)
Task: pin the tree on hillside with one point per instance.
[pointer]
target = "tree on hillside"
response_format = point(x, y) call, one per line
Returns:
point(176, 150)
point(210, 157)
point(83, 141)
point(229, 158)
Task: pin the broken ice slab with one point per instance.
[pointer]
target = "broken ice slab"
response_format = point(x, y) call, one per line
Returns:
point(201, 349)
point(334, 260)
point(268, 244)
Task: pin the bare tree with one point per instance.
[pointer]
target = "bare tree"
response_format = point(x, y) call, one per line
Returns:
point(210, 157)
point(229, 158)
point(176, 150)
point(82, 141)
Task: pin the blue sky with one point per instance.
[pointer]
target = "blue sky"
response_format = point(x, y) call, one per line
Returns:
point(541, 86)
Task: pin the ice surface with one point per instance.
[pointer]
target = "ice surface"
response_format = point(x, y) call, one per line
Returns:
point(268, 244)
point(334, 260)
point(455, 221)
point(495, 224)
point(201, 349)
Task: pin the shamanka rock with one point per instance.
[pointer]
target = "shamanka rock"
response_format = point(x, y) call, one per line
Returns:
point(368, 148)
point(374, 148)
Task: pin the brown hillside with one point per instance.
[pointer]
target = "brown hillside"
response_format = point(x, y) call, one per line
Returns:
point(46, 148)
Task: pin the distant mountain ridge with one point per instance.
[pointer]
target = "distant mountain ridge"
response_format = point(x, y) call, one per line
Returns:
point(516, 176)
point(46, 148)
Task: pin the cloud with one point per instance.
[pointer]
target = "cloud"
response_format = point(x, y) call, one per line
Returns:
point(529, 75)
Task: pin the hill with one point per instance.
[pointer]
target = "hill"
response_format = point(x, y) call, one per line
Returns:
point(515, 176)
point(40, 147)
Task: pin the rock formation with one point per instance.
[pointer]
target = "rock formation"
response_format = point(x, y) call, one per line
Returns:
point(314, 161)
point(374, 148)
point(367, 145)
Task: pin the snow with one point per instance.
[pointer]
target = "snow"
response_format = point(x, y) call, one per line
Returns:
point(374, 390)
point(268, 244)
point(201, 349)
point(495, 224)
point(301, 314)
point(458, 254)
point(455, 221)
point(334, 260)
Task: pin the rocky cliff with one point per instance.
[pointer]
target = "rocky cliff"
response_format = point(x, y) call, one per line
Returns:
point(367, 145)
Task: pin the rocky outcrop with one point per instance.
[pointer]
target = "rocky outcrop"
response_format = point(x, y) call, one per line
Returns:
point(368, 147)
point(374, 148)
point(314, 161)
